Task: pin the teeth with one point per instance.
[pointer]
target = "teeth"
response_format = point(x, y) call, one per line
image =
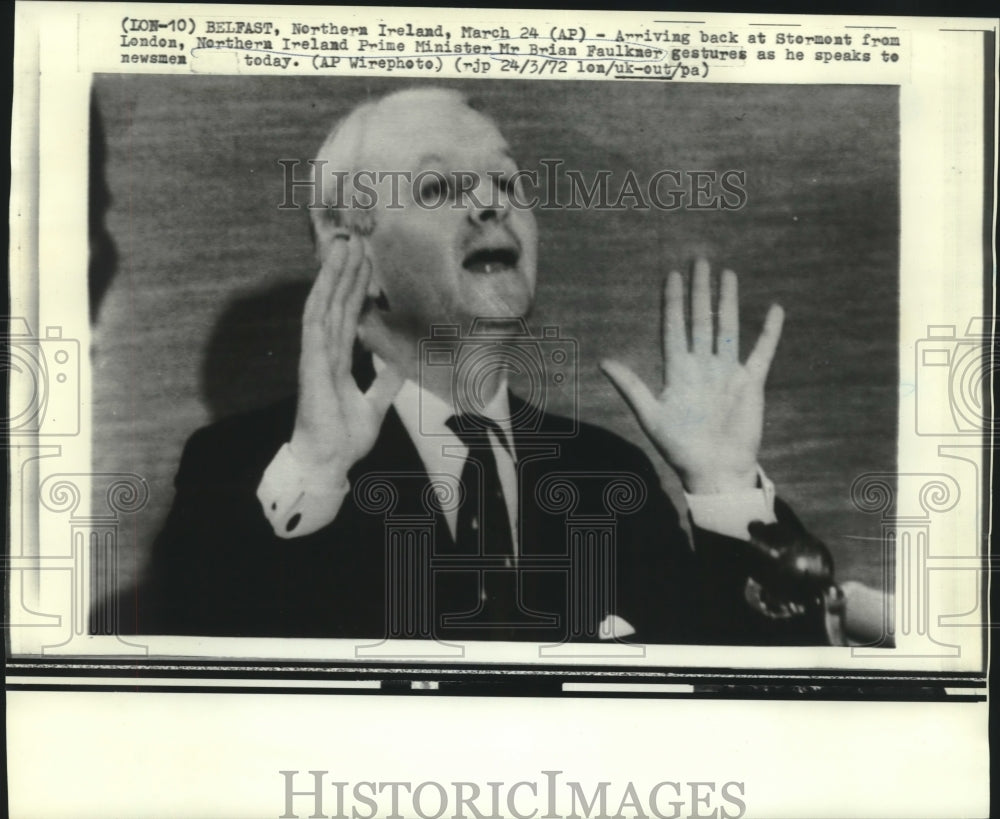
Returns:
point(489, 267)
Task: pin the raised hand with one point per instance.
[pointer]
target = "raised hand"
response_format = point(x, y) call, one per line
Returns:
point(708, 420)
point(336, 424)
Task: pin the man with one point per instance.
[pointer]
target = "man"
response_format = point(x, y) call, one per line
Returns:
point(425, 505)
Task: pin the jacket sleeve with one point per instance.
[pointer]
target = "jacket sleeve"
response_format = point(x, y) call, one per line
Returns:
point(678, 591)
point(212, 549)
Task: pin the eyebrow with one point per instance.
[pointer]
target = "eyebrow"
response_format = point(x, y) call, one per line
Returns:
point(427, 159)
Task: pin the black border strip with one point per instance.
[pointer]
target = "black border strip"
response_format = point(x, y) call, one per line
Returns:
point(472, 689)
point(511, 676)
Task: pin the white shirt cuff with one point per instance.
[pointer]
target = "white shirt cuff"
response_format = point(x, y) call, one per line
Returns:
point(299, 499)
point(731, 513)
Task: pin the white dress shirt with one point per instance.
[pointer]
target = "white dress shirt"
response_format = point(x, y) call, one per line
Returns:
point(442, 451)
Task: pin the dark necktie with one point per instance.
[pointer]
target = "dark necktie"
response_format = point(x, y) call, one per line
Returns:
point(483, 524)
point(482, 531)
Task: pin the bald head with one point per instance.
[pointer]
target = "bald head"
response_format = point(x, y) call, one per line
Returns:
point(426, 182)
point(374, 136)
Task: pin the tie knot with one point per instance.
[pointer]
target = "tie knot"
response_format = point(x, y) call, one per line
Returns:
point(473, 429)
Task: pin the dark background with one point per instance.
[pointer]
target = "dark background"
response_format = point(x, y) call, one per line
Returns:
point(198, 279)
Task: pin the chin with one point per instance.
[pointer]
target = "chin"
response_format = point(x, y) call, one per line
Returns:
point(520, 308)
point(508, 297)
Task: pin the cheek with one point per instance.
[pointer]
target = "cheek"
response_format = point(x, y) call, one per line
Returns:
point(412, 266)
point(527, 230)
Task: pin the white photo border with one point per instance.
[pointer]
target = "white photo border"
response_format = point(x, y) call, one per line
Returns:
point(941, 482)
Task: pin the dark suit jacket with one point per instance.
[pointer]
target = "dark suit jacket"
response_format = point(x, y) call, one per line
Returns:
point(590, 546)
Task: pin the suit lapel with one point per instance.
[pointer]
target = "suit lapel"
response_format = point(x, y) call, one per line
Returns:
point(395, 457)
point(538, 454)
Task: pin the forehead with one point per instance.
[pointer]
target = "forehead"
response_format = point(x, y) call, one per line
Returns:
point(403, 133)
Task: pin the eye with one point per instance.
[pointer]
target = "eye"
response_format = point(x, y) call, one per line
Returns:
point(508, 183)
point(433, 188)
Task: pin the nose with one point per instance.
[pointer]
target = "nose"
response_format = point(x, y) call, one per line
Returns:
point(487, 204)
point(487, 214)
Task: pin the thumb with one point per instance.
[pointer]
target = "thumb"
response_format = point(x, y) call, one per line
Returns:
point(632, 388)
point(759, 361)
point(384, 389)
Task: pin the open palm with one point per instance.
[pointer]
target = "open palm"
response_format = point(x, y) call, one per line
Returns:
point(707, 422)
point(336, 424)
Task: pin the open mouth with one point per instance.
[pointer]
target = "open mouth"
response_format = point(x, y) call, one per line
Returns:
point(491, 260)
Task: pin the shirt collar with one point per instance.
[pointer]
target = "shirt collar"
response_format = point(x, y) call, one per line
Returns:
point(424, 415)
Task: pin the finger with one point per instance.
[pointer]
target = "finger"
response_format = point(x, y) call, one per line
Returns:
point(356, 295)
point(348, 275)
point(384, 389)
point(340, 347)
point(728, 340)
point(342, 325)
point(326, 281)
point(632, 388)
point(675, 343)
point(314, 316)
point(701, 309)
point(352, 311)
point(760, 359)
